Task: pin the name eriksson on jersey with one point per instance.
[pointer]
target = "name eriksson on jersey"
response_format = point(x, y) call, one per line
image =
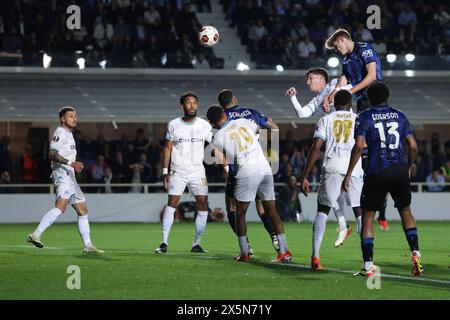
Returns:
point(384, 116)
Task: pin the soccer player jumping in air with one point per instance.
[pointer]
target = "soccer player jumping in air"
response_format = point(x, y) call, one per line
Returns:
point(385, 130)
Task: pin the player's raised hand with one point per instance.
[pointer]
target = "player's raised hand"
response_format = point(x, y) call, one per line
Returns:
point(327, 102)
point(166, 182)
point(305, 186)
point(291, 92)
point(346, 183)
point(78, 166)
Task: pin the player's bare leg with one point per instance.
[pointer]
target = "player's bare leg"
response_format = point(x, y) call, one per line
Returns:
point(47, 220)
point(267, 224)
point(200, 222)
point(271, 211)
point(241, 230)
point(410, 229)
point(230, 204)
point(84, 229)
point(319, 227)
point(168, 217)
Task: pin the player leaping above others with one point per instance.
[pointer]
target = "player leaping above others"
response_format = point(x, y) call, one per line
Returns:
point(386, 131)
point(184, 151)
point(336, 132)
point(63, 154)
point(360, 67)
point(237, 139)
point(317, 81)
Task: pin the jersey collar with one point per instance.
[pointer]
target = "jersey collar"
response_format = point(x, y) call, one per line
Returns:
point(187, 123)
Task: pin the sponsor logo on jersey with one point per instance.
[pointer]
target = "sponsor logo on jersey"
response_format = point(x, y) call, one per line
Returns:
point(367, 53)
point(384, 116)
point(72, 147)
point(55, 139)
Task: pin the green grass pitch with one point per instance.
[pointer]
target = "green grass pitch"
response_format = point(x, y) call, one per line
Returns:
point(130, 270)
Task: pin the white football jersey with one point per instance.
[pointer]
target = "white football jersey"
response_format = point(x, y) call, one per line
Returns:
point(63, 143)
point(188, 144)
point(238, 139)
point(337, 130)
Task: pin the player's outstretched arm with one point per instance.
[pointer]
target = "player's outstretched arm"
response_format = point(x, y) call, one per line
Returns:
point(310, 162)
point(357, 150)
point(167, 151)
point(412, 152)
point(56, 157)
point(271, 125)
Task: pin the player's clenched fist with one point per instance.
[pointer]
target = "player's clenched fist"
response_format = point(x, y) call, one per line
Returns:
point(346, 183)
point(291, 92)
point(78, 166)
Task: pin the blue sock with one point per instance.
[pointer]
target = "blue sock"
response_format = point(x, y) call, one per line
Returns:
point(412, 238)
point(367, 249)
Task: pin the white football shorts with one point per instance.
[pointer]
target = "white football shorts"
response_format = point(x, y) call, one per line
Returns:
point(67, 186)
point(196, 183)
point(330, 190)
point(248, 187)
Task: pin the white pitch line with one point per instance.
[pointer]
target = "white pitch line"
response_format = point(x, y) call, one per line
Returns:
point(383, 275)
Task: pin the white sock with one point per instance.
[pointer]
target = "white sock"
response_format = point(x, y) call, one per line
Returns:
point(340, 216)
point(282, 242)
point(169, 214)
point(243, 244)
point(84, 230)
point(359, 224)
point(319, 226)
point(368, 264)
point(200, 225)
point(47, 220)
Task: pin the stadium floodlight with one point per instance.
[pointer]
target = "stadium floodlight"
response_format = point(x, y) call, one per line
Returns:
point(410, 57)
point(102, 64)
point(391, 57)
point(46, 60)
point(242, 66)
point(333, 62)
point(81, 62)
point(279, 68)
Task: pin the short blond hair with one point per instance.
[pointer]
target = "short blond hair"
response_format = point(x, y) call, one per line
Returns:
point(339, 33)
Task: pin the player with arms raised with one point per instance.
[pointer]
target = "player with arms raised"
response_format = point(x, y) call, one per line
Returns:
point(317, 81)
point(336, 132)
point(184, 151)
point(385, 130)
point(238, 140)
point(63, 155)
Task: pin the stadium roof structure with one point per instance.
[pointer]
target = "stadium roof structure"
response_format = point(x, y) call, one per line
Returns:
point(151, 95)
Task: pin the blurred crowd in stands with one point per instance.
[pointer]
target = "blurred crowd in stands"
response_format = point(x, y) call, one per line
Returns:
point(124, 33)
point(292, 33)
point(164, 33)
point(139, 160)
